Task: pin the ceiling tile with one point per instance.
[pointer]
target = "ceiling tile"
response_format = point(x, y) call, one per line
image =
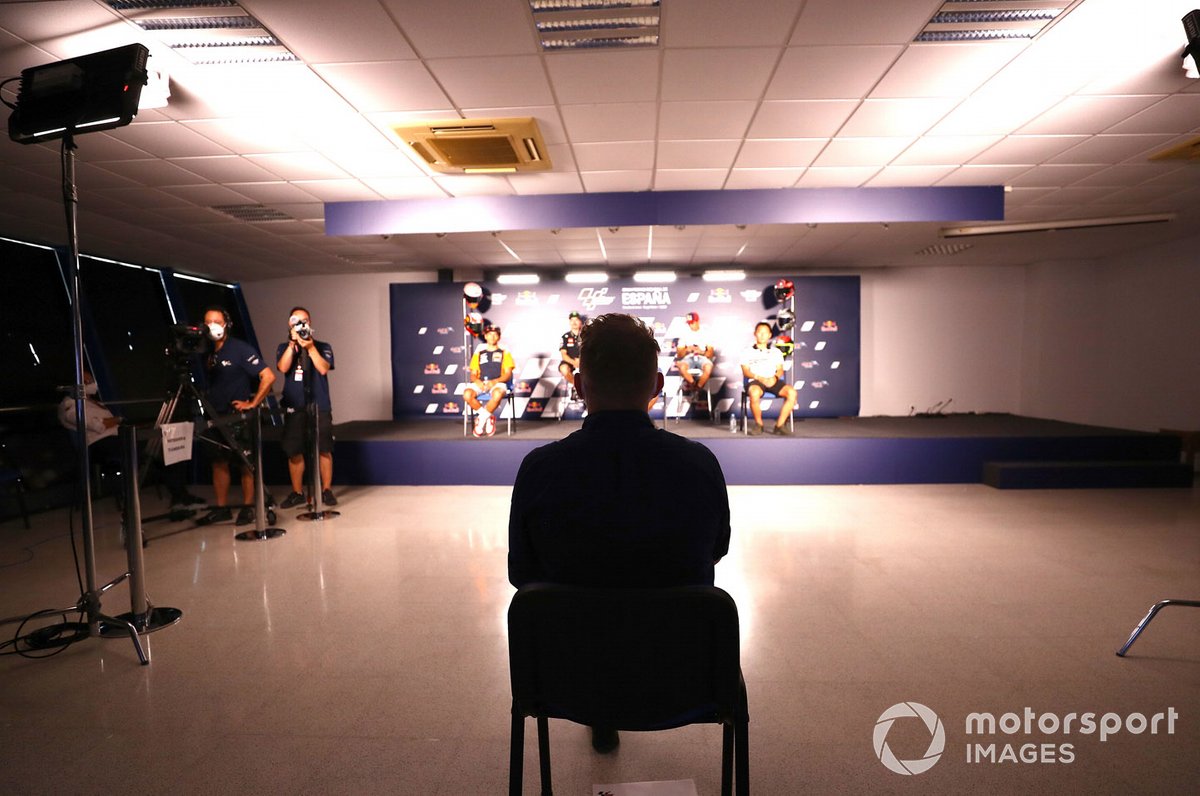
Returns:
point(546, 183)
point(474, 184)
point(621, 121)
point(168, 140)
point(696, 154)
point(1087, 115)
point(689, 179)
point(272, 193)
point(396, 163)
point(547, 118)
point(783, 153)
point(207, 195)
point(717, 23)
point(1106, 149)
point(384, 85)
point(225, 169)
point(1052, 176)
point(861, 151)
point(405, 187)
point(902, 176)
point(1031, 149)
point(1174, 115)
point(634, 155)
point(945, 70)
point(465, 27)
point(830, 72)
point(338, 190)
point(762, 178)
point(993, 115)
point(299, 166)
point(157, 173)
point(945, 149)
point(984, 175)
point(801, 118)
point(896, 117)
point(607, 181)
point(716, 73)
point(599, 77)
point(690, 121)
point(321, 32)
point(842, 177)
point(826, 22)
point(250, 135)
point(475, 82)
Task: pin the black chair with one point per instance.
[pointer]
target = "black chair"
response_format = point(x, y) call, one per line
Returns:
point(630, 659)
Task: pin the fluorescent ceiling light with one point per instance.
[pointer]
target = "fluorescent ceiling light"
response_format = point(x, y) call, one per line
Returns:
point(518, 279)
point(655, 277)
point(201, 280)
point(586, 277)
point(587, 24)
point(724, 276)
point(1050, 226)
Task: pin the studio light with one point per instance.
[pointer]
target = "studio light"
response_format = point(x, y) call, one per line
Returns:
point(655, 277)
point(724, 276)
point(1191, 27)
point(80, 95)
point(586, 277)
point(518, 279)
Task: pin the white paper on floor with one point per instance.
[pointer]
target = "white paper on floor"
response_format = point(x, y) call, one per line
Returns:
point(678, 787)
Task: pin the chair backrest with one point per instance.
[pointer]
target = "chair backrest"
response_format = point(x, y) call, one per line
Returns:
point(631, 659)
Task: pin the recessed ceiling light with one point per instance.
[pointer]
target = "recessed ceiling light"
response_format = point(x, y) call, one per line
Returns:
point(584, 24)
point(586, 277)
point(990, 20)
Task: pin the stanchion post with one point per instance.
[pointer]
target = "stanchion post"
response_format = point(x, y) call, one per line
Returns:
point(261, 532)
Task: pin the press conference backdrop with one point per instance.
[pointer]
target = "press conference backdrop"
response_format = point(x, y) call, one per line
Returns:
point(429, 353)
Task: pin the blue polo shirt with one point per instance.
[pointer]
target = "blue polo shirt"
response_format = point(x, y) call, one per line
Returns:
point(293, 380)
point(233, 374)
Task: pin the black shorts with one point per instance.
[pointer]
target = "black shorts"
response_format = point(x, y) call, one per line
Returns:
point(294, 441)
point(779, 385)
point(240, 432)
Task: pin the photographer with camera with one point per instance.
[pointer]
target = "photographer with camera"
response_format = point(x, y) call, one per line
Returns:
point(238, 381)
point(305, 364)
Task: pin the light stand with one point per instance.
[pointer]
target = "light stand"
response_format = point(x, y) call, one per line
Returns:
point(319, 512)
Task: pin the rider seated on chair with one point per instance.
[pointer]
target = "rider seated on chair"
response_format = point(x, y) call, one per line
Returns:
point(491, 368)
point(694, 352)
point(569, 351)
point(762, 366)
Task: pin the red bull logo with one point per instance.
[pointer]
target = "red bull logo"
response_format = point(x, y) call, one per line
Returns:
point(439, 389)
point(451, 408)
point(433, 369)
point(829, 326)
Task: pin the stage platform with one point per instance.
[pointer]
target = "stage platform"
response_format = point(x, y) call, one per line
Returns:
point(952, 448)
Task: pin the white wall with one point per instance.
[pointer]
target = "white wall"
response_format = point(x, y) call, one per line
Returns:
point(937, 334)
point(351, 312)
point(1113, 343)
point(1117, 342)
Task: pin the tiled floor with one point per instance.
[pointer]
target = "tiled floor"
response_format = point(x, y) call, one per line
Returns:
point(367, 654)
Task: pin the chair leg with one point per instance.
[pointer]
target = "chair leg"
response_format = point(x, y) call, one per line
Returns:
point(726, 760)
point(543, 726)
point(741, 766)
point(1154, 609)
point(516, 755)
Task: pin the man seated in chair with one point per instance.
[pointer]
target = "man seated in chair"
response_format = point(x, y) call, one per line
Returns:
point(491, 368)
point(589, 510)
point(569, 350)
point(762, 364)
point(694, 352)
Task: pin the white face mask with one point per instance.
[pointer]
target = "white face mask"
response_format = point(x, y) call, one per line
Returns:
point(91, 389)
point(216, 331)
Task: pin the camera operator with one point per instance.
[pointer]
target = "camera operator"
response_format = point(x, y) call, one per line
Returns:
point(238, 381)
point(302, 351)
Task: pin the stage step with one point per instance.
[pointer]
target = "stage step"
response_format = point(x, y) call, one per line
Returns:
point(1087, 474)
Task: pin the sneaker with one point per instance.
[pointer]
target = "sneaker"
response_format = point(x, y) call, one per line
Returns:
point(480, 422)
point(245, 516)
point(292, 500)
point(489, 427)
point(327, 497)
point(782, 430)
point(217, 514)
point(756, 429)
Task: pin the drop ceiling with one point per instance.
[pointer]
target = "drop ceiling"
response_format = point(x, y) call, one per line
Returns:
point(764, 94)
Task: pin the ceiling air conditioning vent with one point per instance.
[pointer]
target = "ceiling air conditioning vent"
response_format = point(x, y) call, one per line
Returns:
point(478, 146)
